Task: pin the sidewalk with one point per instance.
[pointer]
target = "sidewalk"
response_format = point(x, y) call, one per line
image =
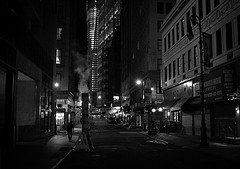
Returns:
point(44, 153)
point(223, 150)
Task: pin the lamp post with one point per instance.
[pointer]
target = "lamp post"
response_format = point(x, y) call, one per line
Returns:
point(141, 82)
point(55, 88)
point(195, 19)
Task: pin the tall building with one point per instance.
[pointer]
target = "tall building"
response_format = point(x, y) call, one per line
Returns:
point(220, 23)
point(141, 54)
point(92, 35)
point(27, 38)
point(70, 59)
point(109, 21)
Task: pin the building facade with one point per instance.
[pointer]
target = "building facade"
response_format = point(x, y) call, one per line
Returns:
point(141, 54)
point(219, 20)
point(27, 38)
point(92, 31)
point(109, 22)
point(71, 60)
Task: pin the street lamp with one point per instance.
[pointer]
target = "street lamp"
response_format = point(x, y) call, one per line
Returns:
point(195, 19)
point(141, 82)
point(55, 88)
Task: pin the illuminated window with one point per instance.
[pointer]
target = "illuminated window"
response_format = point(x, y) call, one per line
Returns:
point(58, 78)
point(58, 56)
point(59, 33)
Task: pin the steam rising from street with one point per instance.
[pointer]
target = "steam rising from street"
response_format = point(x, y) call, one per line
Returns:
point(83, 70)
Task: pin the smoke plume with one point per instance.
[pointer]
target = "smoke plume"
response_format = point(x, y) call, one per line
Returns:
point(83, 70)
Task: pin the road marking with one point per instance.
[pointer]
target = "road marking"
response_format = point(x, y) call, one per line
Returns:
point(126, 132)
point(158, 142)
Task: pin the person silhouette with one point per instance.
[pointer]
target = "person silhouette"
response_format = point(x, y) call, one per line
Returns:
point(70, 130)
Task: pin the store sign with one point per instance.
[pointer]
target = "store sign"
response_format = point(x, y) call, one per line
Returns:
point(218, 85)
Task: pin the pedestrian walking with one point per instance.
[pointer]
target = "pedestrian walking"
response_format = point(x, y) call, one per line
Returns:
point(70, 130)
point(166, 125)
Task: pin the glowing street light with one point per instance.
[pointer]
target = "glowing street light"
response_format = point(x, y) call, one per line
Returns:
point(140, 82)
point(160, 109)
point(56, 84)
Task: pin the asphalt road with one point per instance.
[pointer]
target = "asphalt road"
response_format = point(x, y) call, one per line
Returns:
point(116, 147)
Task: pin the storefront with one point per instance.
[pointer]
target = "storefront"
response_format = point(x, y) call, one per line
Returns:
point(222, 98)
point(60, 119)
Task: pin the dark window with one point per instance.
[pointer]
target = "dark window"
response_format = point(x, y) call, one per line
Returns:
point(158, 64)
point(195, 56)
point(165, 77)
point(238, 25)
point(200, 10)
point(160, 8)
point(169, 41)
point(159, 25)
point(194, 13)
point(188, 16)
point(174, 68)
point(177, 31)
point(208, 6)
point(229, 39)
point(159, 44)
point(183, 26)
point(168, 7)
point(183, 63)
point(179, 65)
point(219, 41)
point(169, 71)
point(60, 12)
point(173, 36)
point(194, 10)
point(189, 59)
point(216, 3)
point(165, 44)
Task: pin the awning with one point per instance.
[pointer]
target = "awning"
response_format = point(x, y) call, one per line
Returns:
point(178, 105)
point(193, 103)
point(167, 104)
